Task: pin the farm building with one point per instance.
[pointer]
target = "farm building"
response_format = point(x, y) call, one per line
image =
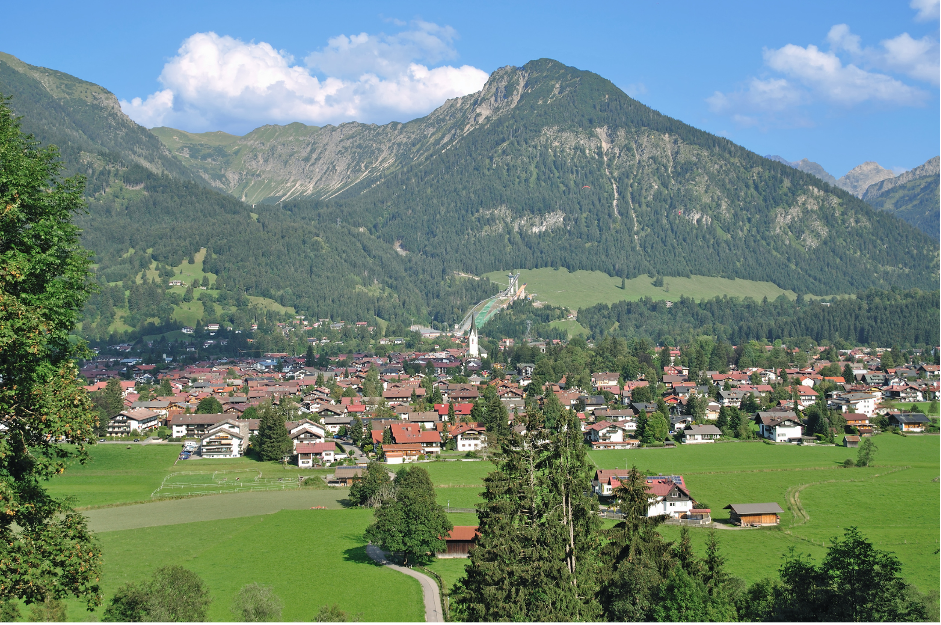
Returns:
point(851, 441)
point(459, 541)
point(755, 513)
point(344, 476)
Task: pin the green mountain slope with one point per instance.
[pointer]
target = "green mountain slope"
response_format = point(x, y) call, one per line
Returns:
point(84, 120)
point(552, 166)
point(916, 201)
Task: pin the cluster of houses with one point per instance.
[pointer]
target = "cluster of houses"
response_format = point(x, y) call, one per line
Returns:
point(411, 434)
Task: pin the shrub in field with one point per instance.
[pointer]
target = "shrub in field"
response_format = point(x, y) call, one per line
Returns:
point(172, 594)
point(866, 453)
point(50, 610)
point(9, 611)
point(331, 614)
point(849, 462)
point(257, 604)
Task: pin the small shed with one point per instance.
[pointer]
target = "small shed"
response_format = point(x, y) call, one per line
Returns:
point(459, 541)
point(851, 441)
point(345, 476)
point(755, 514)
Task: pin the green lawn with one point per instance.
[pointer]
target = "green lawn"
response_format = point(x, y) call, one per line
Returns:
point(587, 288)
point(875, 499)
point(310, 557)
point(458, 473)
point(115, 474)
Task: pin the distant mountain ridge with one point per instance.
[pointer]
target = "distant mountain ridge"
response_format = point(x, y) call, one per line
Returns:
point(84, 120)
point(546, 166)
point(928, 168)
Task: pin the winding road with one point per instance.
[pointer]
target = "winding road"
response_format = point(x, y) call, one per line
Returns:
point(429, 588)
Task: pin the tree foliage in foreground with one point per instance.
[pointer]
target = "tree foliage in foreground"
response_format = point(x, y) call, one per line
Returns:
point(542, 556)
point(46, 550)
point(373, 488)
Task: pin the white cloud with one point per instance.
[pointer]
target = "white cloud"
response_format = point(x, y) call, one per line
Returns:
point(927, 9)
point(825, 74)
point(218, 82)
point(917, 58)
point(846, 75)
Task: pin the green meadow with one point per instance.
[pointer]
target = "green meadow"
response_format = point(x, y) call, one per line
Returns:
point(579, 289)
point(117, 474)
point(310, 557)
point(232, 540)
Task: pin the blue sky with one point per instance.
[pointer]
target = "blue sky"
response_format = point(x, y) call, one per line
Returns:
point(839, 83)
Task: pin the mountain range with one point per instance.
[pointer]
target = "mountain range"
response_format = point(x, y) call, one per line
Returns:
point(916, 203)
point(546, 166)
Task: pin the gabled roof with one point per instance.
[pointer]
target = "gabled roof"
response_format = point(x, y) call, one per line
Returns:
point(754, 508)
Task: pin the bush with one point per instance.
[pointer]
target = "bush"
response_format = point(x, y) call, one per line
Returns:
point(173, 594)
point(331, 614)
point(849, 462)
point(50, 610)
point(9, 611)
point(257, 604)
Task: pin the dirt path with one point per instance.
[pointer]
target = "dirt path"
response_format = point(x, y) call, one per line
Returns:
point(429, 588)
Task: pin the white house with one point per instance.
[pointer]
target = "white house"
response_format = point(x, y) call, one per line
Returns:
point(140, 420)
point(221, 443)
point(780, 427)
point(469, 438)
point(672, 498)
point(857, 402)
point(701, 434)
point(305, 431)
point(606, 435)
point(310, 453)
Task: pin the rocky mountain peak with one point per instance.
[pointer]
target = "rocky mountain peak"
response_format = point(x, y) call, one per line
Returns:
point(858, 179)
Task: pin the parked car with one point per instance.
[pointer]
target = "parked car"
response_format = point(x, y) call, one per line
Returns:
point(136, 440)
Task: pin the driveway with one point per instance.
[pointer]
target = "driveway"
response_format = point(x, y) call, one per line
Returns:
point(429, 587)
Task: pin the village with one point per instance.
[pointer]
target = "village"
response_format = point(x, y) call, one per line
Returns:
point(418, 406)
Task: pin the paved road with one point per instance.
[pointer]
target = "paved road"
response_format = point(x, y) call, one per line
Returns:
point(429, 588)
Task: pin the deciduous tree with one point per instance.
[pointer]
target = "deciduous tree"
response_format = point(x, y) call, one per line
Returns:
point(46, 550)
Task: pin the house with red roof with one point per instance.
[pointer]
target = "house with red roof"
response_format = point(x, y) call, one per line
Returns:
point(309, 454)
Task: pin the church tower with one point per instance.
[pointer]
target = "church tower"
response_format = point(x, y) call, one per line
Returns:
point(473, 343)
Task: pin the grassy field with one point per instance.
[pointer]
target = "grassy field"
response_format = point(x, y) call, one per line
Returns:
point(116, 474)
point(587, 288)
point(820, 498)
point(571, 326)
point(310, 557)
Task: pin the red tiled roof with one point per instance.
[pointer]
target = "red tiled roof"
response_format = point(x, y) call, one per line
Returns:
point(463, 532)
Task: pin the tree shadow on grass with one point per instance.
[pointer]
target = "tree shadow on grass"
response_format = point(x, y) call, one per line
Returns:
point(358, 555)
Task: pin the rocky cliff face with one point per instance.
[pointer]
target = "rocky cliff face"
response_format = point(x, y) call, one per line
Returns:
point(858, 179)
point(928, 168)
point(285, 162)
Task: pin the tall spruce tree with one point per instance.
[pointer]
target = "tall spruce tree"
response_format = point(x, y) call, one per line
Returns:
point(636, 559)
point(273, 439)
point(536, 556)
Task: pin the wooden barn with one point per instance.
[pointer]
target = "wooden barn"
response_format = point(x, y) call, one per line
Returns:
point(755, 514)
point(459, 541)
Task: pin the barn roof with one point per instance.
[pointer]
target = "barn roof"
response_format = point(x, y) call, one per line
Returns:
point(754, 508)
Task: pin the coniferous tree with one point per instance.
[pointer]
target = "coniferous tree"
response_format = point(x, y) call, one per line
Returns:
point(536, 558)
point(273, 439)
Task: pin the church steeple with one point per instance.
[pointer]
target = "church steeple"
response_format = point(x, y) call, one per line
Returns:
point(473, 342)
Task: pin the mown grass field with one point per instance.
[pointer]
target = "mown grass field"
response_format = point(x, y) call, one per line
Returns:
point(116, 474)
point(895, 503)
point(587, 288)
point(310, 557)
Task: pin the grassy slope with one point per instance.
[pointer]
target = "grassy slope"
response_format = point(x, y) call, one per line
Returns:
point(310, 557)
point(587, 288)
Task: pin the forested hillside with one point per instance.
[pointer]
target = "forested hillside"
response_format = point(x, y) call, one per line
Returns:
point(567, 170)
point(546, 166)
point(907, 318)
